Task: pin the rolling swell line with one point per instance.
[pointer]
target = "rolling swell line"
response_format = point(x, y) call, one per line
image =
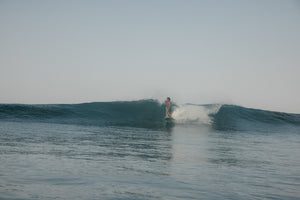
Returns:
point(142, 113)
point(149, 113)
point(232, 117)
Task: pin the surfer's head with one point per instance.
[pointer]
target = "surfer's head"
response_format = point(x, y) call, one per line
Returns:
point(168, 98)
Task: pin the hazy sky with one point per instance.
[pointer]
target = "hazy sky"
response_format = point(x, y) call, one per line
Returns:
point(227, 51)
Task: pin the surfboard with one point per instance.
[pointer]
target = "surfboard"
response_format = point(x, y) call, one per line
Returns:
point(169, 119)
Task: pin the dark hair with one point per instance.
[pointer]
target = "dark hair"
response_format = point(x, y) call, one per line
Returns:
point(169, 98)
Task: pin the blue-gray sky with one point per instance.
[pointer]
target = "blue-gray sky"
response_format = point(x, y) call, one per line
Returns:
point(226, 51)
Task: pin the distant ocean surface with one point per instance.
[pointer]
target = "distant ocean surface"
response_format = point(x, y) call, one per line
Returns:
point(127, 150)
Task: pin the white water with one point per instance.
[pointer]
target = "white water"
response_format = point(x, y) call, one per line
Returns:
point(194, 114)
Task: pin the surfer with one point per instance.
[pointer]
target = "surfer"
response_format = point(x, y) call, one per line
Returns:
point(168, 101)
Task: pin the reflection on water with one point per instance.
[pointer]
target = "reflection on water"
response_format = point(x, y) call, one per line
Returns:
point(169, 126)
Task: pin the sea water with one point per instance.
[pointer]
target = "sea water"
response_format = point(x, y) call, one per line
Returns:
point(103, 151)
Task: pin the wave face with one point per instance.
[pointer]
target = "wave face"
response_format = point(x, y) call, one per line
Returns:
point(150, 114)
point(231, 117)
point(143, 113)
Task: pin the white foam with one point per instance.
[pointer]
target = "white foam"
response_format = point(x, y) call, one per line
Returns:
point(195, 114)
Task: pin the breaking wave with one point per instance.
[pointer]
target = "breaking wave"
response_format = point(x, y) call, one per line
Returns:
point(150, 113)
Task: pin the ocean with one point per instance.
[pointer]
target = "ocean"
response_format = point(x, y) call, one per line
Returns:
point(127, 150)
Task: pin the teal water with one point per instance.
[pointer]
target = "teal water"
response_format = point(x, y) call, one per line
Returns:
point(63, 161)
point(209, 152)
